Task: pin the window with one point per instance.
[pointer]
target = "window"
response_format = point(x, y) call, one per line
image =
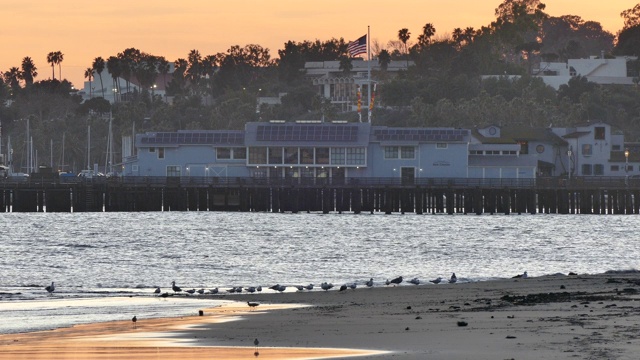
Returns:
point(275, 155)
point(337, 156)
point(223, 153)
point(390, 152)
point(445, 145)
point(598, 169)
point(152, 149)
point(615, 168)
point(322, 156)
point(599, 133)
point(524, 147)
point(173, 170)
point(509, 152)
point(306, 155)
point(356, 156)
point(240, 153)
point(629, 168)
point(615, 147)
point(587, 149)
point(492, 152)
point(586, 169)
point(291, 155)
point(160, 153)
point(134, 168)
point(407, 152)
point(476, 152)
point(257, 155)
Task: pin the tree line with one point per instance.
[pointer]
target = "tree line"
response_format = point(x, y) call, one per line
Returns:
point(443, 87)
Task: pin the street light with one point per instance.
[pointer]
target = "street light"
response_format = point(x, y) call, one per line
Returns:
point(626, 166)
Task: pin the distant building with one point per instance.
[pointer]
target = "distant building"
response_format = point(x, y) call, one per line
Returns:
point(112, 93)
point(599, 70)
point(315, 150)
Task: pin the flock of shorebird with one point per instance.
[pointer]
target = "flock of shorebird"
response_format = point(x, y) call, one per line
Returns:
point(281, 288)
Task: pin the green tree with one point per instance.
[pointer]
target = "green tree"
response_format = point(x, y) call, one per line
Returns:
point(98, 66)
point(384, 58)
point(345, 65)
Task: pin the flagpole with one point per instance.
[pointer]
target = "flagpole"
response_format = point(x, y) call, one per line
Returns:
point(369, 70)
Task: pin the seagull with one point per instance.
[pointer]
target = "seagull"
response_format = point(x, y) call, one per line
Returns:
point(50, 288)
point(436, 281)
point(275, 287)
point(343, 287)
point(326, 286)
point(232, 290)
point(164, 295)
point(134, 319)
point(238, 289)
point(252, 304)
point(259, 288)
point(387, 282)
point(369, 283)
point(453, 278)
point(251, 289)
point(353, 286)
point(190, 291)
point(397, 280)
point(525, 275)
point(157, 291)
point(299, 287)
point(213, 291)
point(175, 288)
point(415, 281)
point(200, 291)
point(281, 288)
point(309, 287)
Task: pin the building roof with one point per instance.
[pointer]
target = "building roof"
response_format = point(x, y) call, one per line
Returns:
point(421, 135)
point(307, 134)
point(510, 135)
point(191, 137)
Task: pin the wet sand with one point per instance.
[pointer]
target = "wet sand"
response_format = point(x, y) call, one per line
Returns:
point(549, 317)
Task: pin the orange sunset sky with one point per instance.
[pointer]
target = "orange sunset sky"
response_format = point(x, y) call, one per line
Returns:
point(83, 30)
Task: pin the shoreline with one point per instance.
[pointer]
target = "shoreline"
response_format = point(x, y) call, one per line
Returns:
point(554, 317)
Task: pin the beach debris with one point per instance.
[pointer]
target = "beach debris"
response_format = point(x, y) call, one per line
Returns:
point(407, 328)
point(157, 290)
point(510, 316)
point(453, 278)
point(415, 281)
point(510, 337)
point(572, 273)
point(436, 280)
point(409, 307)
point(418, 317)
point(562, 287)
point(175, 288)
point(369, 283)
point(252, 304)
point(134, 320)
point(462, 323)
point(51, 288)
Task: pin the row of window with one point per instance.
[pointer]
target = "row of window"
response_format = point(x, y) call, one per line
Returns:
point(238, 153)
point(598, 169)
point(307, 156)
point(493, 152)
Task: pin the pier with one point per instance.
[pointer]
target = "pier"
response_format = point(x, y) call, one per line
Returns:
point(578, 195)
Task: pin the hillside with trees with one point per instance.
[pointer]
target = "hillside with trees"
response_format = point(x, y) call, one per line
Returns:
point(444, 87)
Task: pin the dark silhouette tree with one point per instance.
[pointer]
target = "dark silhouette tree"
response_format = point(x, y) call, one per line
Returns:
point(88, 74)
point(28, 71)
point(404, 35)
point(98, 66)
point(384, 58)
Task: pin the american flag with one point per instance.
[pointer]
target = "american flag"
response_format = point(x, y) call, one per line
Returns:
point(358, 47)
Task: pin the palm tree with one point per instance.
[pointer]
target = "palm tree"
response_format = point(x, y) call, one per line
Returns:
point(29, 71)
point(12, 77)
point(51, 59)
point(403, 36)
point(98, 67)
point(114, 67)
point(384, 58)
point(59, 58)
point(427, 32)
point(88, 74)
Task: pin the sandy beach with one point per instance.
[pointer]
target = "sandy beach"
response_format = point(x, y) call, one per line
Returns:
point(548, 317)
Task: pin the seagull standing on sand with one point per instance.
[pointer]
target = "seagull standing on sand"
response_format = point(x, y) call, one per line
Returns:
point(157, 291)
point(525, 275)
point(326, 286)
point(214, 291)
point(396, 281)
point(415, 281)
point(436, 281)
point(309, 287)
point(299, 287)
point(343, 287)
point(353, 286)
point(369, 283)
point(453, 278)
point(134, 320)
point(200, 291)
point(191, 291)
point(50, 288)
point(251, 289)
point(175, 288)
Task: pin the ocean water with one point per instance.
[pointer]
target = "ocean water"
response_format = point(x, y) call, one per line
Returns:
point(97, 259)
